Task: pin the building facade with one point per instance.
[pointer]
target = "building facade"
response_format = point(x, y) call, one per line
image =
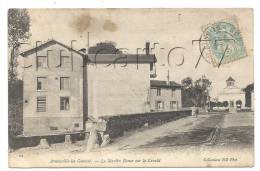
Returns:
point(119, 84)
point(63, 87)
point(52, 90)
point(165, 96)
point(232, 94)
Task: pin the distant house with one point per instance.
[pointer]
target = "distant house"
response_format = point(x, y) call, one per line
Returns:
point(165, 95)
point(232, 94)
point(63, 87)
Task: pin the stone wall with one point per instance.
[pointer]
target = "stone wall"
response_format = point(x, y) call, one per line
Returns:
point(117, 125)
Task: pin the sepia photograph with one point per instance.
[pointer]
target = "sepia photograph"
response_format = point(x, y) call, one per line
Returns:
point(119, 87)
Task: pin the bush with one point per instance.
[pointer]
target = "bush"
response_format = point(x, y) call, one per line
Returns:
point(225, 104)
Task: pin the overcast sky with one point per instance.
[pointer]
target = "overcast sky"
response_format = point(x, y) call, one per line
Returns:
point(132, 28)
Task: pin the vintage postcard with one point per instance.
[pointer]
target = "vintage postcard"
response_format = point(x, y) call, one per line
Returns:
point(131, 87)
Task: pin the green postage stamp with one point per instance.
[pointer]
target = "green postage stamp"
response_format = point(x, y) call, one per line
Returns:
point(223, 41)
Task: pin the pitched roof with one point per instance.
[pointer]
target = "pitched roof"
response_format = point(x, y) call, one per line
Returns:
point(47, 44)
point(163, 84)
point(121, 58)
point(99, 58)
point(230, 79)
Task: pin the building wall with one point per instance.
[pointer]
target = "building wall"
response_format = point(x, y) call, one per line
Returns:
point(116, 90)
point(166, 96)
point(252, 101)
point(37, 123)
point(232, 97)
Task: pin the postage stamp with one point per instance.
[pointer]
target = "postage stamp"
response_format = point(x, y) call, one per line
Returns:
point(223, 41)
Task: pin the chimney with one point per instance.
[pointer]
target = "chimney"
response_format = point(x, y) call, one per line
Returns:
point(168, 78)
point(84, 50)
point(147, 48)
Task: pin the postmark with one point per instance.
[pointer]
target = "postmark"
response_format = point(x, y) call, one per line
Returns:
point(222, 43)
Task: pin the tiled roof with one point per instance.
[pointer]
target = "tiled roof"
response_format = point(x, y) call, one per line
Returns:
point(47, 44)
point(99, 58)
point(159, 83)
point(121, 58)
point(230, 79)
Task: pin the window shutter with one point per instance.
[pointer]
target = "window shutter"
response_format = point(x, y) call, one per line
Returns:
point(41, 104)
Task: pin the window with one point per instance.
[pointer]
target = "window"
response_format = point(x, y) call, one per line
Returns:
point(159, 105)
point(172, 92)
point(64, 103)
point(42, 61)
point(158, 91)
point(41, 83)
point(64, 61)
point(230, 83)
point(173, 105)
point(41, 104)
point(64, 83)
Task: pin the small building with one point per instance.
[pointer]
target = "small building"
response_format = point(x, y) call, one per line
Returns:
point(233, 95)
point(165, 96)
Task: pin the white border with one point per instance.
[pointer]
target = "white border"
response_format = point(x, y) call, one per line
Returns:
point(5, 4)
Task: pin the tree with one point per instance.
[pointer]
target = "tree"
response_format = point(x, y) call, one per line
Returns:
point(197, 92)
point(187, 83)
point(107, 47)
point(239, 103)
point(219, 104)
point(213, 104)
point(18, 32)
point(225, 103)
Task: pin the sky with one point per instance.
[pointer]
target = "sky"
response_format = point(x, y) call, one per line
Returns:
point(132, 28)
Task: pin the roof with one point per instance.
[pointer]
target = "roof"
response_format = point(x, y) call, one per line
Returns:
point(163, 84)
point(47, 44)
point(99, 58)
point(230, 79)
point(121, 58)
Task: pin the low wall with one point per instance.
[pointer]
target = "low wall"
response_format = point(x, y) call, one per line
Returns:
point(117, 125)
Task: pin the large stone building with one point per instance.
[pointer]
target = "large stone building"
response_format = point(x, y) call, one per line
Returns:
point(52, 89)
point(119, 84)
point(165, 96)
point(232, 94)
point(63, 87)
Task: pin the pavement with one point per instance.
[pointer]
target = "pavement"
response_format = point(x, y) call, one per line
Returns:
point(185, 131)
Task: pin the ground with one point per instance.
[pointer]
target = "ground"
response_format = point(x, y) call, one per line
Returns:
point(215, 139)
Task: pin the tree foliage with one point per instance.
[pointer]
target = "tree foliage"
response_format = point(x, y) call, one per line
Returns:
point(225, 103)
point(18, 32)
point(195, 93)
point(107, 47)
point(18, 26)
point(238, 102)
